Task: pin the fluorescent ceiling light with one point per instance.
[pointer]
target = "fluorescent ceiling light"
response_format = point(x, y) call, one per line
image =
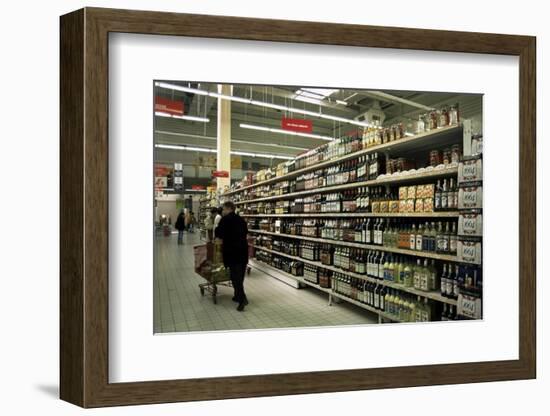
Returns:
point(180, 88)
point(190, 118)
point(341, 102)
point(204, 149)
point(263, 104)
point(289, 132)
point(200, 136)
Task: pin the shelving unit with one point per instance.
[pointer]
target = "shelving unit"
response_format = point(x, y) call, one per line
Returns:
point(436, 296)
point(424, 254)
point(392, 180)
point(417, 142)
point(331, 293)
point(415, 147)
point(447, 214)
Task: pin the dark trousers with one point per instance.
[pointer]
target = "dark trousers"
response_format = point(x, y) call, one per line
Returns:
point(237, 272)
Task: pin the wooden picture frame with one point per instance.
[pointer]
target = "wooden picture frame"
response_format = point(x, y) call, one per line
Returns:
point(84, 207)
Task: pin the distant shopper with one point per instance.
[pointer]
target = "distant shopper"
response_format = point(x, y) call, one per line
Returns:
point(187, 219)
point(232, 230)
point(192, 222)
point(209, 224)
point(217, 216)
point(180, 226)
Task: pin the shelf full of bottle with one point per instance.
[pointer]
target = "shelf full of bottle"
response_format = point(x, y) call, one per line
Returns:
point(390, 302)
point(435, 197)
point(362, 171)
point(359, 143)
point(403, 271)
point(430, 239)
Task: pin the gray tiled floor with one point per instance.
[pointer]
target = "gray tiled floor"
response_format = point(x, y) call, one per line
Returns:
point(179, 306)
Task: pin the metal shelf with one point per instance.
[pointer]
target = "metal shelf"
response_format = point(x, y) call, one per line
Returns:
point(430, 295)
point(297, 278)
point(326, 290)
point(443, 135)
point(385, 181)
point(414, 253)
point(442, 214)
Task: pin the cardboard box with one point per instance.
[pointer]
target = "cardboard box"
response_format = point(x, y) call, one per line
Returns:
point(470, 224)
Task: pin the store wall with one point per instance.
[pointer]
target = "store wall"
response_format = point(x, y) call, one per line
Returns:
point(29, 299)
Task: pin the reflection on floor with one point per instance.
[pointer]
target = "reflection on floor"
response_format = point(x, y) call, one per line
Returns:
point(179, 306)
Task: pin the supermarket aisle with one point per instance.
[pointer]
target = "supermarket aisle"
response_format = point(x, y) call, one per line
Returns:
point(179, 305)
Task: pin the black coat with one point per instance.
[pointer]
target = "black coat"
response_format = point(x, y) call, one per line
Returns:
point(232, 230)
point(180, 222)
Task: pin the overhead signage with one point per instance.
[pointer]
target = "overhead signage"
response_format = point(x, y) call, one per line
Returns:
point(165, 105)
point(297, 124)
point(178, 178)
point(220, 174)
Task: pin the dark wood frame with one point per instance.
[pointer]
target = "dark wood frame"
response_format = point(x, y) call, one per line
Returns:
point(84, 207)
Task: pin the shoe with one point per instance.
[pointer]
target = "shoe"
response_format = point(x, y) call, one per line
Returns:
point(240, 308)
point(234, 299)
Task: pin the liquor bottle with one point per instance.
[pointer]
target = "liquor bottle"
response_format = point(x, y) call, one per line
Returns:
point(387, 268)
point(376, 296)
point(453, 240)
point(432, 238)
point(420, 127)
point(444, 196)
point(407, 275)
point(444, 281)
point(452, 199)
point(382, 298)
point(432, 276)
point(455, 290)
point(381, 261)
point(442, 241)
point(417, 274)
point(426, 238)
point(444, 316)
point(437, 197)
point(418, 244)
point(412, 238)
point(452, 313)
point(398, 270)
point(370, 255)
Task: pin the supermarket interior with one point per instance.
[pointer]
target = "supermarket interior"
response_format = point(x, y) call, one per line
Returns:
point(294, 207)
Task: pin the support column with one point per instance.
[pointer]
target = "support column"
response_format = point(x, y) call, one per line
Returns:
point(224, 135)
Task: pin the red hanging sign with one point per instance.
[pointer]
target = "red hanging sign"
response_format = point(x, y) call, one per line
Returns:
point(297, 124)
point(220, 174)
point(197, 187)
point(165, 105)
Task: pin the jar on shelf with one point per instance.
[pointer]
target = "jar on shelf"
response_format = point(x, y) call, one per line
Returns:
point(446, 156)
point(435, 158)
point(433, 120)
point(456, 154)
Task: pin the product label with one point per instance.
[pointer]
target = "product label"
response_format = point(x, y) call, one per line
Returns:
point(469, 171)
point(470, 197)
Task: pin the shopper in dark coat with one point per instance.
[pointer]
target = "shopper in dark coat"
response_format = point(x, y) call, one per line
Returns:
point(180, 226)
point(232, 230)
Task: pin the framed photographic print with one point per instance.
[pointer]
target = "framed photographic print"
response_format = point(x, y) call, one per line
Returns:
point(259, 207)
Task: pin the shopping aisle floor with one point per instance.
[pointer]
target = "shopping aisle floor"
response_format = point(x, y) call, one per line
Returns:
point(179, 306)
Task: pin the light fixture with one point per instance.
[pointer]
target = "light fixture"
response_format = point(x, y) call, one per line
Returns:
point(200, 136)
point(190, 118)
point(341, 102)
point(207, 150)
point(262, 104)
point(290, 132)
point(180, 88)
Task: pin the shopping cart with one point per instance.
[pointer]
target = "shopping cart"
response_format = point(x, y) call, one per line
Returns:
point(209, 265)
